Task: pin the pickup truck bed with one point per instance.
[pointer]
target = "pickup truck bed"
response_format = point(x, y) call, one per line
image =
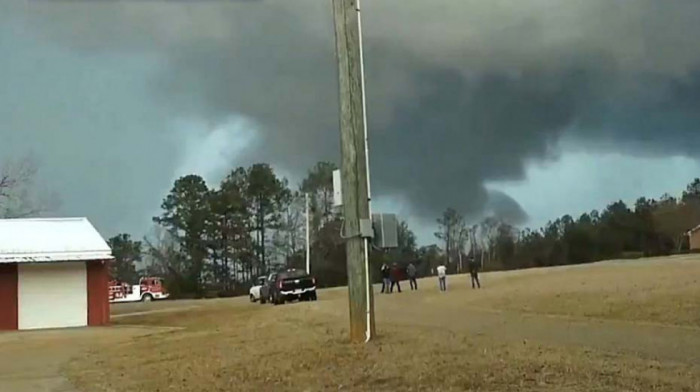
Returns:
point(293, 285)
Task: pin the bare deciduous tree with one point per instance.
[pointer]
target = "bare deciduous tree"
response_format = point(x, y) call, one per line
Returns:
point(162, 253)
point(19, 196)
point(453, 232)
point(288, 236)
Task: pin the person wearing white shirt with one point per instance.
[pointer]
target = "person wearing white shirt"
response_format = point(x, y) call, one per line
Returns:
point(442, 277)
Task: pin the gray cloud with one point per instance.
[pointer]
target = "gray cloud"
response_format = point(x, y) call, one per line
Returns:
point(460, 92)
point(505, 208)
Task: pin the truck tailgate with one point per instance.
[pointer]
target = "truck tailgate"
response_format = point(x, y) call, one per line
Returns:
point(298, 283)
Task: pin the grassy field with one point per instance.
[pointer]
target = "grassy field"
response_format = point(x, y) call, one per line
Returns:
point(615, 326)
point(663, 290)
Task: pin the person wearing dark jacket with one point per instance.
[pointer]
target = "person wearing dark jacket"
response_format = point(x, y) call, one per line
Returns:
point(395, 278)
point(385, 278)
point(474, 272)
point(411, 273)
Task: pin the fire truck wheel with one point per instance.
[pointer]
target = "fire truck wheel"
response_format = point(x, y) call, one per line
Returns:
point(147, 298)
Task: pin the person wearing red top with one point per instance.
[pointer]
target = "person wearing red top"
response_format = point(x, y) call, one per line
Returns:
point(395, 278)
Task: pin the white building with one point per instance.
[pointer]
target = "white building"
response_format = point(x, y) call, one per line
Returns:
point(54, 273)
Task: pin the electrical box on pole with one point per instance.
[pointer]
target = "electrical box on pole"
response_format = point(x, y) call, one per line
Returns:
point(366, 229)
point(386, 231)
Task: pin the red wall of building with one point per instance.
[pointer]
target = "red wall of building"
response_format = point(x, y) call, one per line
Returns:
point(8, 296)
point(98, 292)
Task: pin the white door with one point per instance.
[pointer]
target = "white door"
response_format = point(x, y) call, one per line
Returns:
point(52, 295)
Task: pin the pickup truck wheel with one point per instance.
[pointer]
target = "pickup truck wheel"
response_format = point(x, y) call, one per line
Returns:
point(313, 296)
point(252, 298)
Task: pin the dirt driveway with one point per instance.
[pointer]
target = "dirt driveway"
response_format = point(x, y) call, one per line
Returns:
point(32, 361)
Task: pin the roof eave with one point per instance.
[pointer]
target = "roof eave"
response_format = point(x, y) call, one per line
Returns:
point(54, 258)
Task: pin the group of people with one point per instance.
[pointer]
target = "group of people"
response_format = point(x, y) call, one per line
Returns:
point(392, 276)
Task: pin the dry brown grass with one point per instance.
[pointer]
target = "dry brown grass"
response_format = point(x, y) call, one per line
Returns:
point(429, 341)
point(664, 290)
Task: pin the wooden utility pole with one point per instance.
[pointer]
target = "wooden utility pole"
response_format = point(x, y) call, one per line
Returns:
point(308, 235)
point(354, 167)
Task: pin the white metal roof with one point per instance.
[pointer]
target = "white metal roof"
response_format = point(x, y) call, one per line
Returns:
point(693, 230)
point(50, 240)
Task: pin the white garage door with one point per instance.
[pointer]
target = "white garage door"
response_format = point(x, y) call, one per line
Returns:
point(52, 295)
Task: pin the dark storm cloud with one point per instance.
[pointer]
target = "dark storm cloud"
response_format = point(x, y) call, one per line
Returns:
point(460, 93)
point(452, 134)
point(661, 118)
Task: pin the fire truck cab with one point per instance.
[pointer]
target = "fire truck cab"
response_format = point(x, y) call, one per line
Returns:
point(148, 289)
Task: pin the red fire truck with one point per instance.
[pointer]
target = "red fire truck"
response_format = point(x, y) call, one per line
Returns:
point(148, 289)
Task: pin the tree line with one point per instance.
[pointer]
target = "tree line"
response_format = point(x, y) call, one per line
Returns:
point(650, 227)
point(217, 240)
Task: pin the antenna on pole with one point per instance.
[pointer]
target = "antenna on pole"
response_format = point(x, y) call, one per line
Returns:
point(308, 246)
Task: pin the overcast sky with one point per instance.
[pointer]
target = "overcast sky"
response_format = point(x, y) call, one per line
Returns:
point(527, 109)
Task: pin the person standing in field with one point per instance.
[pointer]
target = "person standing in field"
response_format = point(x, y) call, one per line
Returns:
point(395, 278)
point(442, 277)
point(411, 272)
point(385, 278)
point(474, 272)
